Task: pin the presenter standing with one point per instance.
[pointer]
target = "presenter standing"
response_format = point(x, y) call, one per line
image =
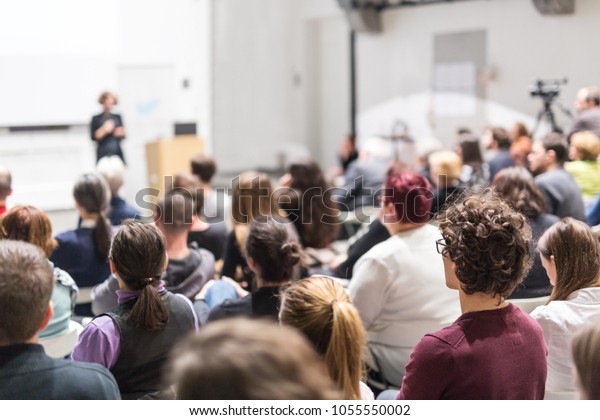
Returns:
point(107, 128)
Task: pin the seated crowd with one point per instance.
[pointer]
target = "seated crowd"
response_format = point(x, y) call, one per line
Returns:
point(422, 300)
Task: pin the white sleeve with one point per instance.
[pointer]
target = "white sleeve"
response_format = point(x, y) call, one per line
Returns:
point(367, 288)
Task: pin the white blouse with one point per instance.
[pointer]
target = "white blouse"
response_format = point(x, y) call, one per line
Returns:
point(560, 320)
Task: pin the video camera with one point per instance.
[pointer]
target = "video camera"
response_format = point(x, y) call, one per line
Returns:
point(547, 89)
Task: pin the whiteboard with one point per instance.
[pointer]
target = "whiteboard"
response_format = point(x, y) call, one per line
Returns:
point(52, 90)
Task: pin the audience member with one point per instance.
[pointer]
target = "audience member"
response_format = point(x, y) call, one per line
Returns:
point(445, 168)
point(5, 187)
point(112, 170)
point(570, 254)
point(307, 198)
point(521, 144)
point(274, 255)
point(26, 372)
point(584, 165)
point(28, 224)
point(475, 172)
point(210, 236)
point(586, 358)
point(516, 185)
point(134, 339)
point(364, 176)
point(252, 198)
point(189, 267)
point(376, 233)
point(493, 350)
point(216, 208)
point(320, 308)
point(561, 193)
point(243, 359)
point(83, 252)
point(397, 286)
point(587, 104)
point(498, 141)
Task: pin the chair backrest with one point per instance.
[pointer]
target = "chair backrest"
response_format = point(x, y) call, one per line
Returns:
point(529, 304)
point(84, 295)
point(62, 345)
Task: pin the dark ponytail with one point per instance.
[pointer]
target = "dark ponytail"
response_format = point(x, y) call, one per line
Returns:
point(92, 193)
point(138, 253)
point(272, 246)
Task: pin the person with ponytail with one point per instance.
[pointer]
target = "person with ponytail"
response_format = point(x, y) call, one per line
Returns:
point(274, 256)
point(134, 340)
point(83, 252)
point(320, 308)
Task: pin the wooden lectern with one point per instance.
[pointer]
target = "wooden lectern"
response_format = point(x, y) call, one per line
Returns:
point(169, 157)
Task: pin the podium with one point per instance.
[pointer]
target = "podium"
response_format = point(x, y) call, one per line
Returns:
point(169, 157)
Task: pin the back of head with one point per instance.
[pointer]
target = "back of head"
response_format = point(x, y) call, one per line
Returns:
point(204, 167)
point(138, 253)
point(188, 185)
point(242, 359)
point(586, 355)
point(501, 137)
point(587, 145)
point(318, 211)
point(576, 253)
point(5, 182)
point(92, 194)
point(28, 224)
point(112, 169)
point(592, 94)
point(252, 197)
point(174, 212)
point(321, 309)
point(411, 195)
point(446, 165)
point(557, 143)
point(26, 283)
point(469, 149)
point(272, 247)
point(489, 243)
point(517, 186)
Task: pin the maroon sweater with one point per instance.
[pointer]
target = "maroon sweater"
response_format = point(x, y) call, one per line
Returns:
point(491, 355)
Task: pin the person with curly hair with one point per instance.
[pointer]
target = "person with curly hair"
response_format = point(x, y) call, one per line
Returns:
point(493, 350)
point(570, 254)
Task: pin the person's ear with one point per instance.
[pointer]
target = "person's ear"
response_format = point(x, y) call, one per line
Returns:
point(48, 316)
point(551, 154)
point(113, 270)
point(552, 260)
point(166, 260)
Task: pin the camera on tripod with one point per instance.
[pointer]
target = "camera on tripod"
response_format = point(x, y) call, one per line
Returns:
point(547, 89)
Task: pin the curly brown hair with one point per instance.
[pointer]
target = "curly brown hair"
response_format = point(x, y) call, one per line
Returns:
point(489, 243)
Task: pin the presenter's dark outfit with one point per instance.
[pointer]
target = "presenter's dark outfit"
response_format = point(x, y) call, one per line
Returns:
point(109, 145)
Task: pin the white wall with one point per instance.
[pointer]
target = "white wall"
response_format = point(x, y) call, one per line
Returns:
point(261, 46)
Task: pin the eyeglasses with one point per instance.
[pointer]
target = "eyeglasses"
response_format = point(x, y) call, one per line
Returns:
point(441, 246)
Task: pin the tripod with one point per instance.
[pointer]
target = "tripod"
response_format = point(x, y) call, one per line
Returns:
point(548, 114)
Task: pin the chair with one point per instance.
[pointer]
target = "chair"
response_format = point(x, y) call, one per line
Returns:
point(529, 304)
point(561, 395)
point(62, 345)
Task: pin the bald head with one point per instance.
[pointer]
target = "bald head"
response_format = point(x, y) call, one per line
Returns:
point(5, 182)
